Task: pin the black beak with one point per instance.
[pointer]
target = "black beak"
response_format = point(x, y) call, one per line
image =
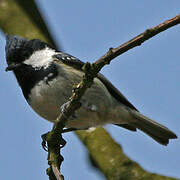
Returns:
point(12, 67)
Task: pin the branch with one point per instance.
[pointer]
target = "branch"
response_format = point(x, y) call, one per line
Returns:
point(137, 41)
point(32, 11)
point(14, 20)
point(91, 71)
point(110, 159)
point(22, 18)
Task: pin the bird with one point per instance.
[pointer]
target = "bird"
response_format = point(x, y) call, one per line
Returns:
point(46, 77)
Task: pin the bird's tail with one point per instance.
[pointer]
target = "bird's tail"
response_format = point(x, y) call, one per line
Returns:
point(158, 132)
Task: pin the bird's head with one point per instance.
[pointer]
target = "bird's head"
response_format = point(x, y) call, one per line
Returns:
point(22, 52)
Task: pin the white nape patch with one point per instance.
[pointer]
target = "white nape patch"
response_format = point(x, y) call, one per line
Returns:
point(41, 58)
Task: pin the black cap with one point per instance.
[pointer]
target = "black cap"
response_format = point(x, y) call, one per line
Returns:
point(13, 43)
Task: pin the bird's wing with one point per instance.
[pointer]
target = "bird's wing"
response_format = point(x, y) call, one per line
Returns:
point(78, 64)
point(69, 60)
point(115, 92)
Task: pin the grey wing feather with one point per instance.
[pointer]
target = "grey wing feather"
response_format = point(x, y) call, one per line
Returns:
point(115, 92)
point(78, 64)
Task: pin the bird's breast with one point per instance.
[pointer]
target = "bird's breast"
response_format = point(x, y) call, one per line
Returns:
point(46, 98)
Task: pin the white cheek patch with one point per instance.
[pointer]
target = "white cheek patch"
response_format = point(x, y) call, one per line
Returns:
point(41, 58)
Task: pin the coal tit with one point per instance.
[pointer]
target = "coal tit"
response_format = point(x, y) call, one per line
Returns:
point(46, 77)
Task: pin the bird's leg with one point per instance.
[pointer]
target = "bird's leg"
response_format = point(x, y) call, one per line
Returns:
point(62, 141)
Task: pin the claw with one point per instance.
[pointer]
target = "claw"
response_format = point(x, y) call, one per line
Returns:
point(44, 142)
point(62, 142)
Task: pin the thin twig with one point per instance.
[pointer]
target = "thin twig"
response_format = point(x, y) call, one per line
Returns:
point(137, 41)
point(91, 71)
point(57, 173)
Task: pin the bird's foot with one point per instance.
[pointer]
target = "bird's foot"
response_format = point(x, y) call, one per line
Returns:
point(44, 143)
